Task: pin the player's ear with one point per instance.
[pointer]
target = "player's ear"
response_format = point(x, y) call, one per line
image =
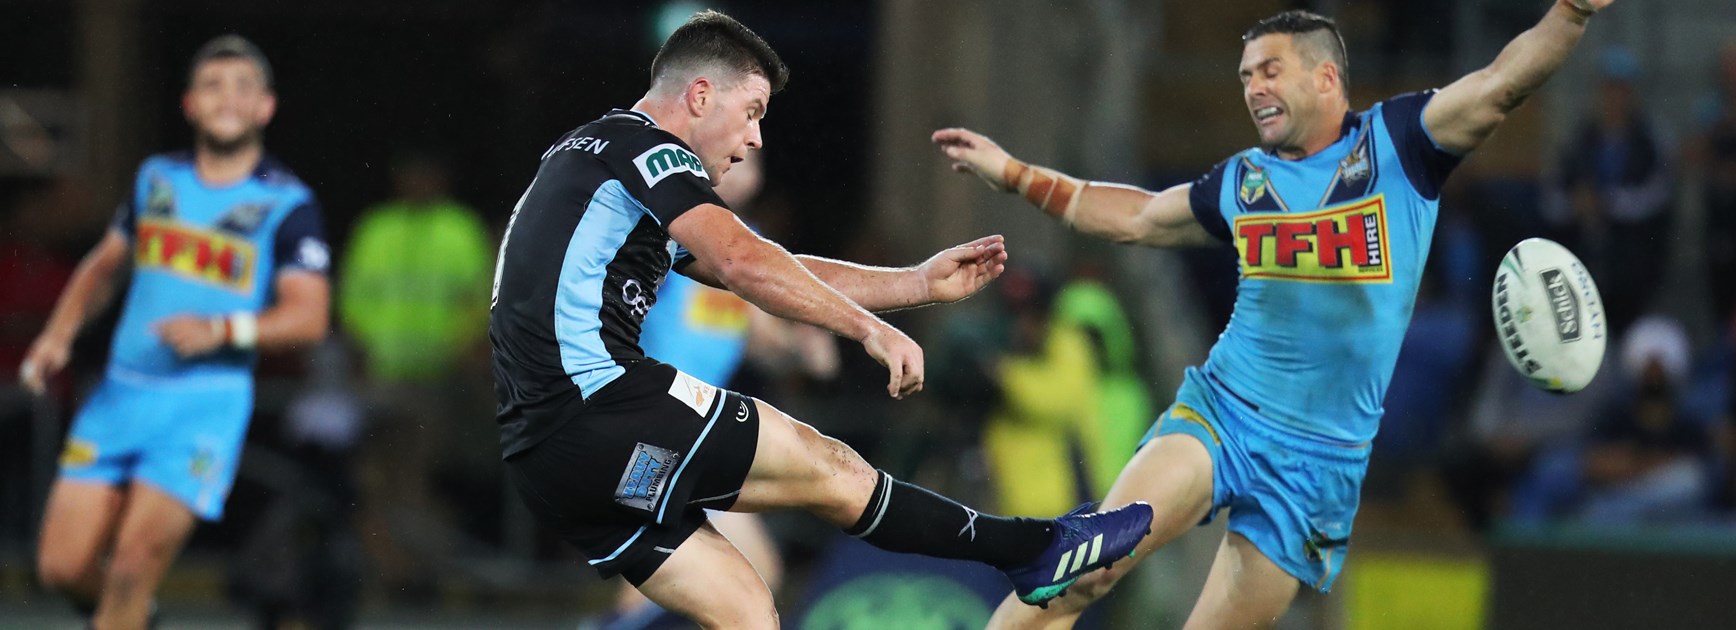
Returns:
point(699, 94)
point(267, 108)
point(1326, 80)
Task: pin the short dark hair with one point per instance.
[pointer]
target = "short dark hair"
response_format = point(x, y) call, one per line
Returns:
point(1317, 37)
point(710, 36)
point(230, 46)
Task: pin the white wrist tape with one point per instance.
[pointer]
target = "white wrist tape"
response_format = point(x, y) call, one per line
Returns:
point(243, 330)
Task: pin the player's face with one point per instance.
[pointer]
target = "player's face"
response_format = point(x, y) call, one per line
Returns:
point(228, 103)
point(743, 183)
point(1280, 91)
point(730, 127)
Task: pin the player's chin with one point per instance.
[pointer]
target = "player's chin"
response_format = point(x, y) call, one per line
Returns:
point(228, 139)
point(1272, 139)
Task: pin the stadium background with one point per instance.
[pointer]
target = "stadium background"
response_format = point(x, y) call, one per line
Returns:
point(1467, 521)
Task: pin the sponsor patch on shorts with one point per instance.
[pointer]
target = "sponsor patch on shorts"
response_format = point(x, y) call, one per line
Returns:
point(692, 392)
point(78, 453)
point(642, 483)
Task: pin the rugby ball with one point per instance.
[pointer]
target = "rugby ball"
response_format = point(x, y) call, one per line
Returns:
point(1548, 316)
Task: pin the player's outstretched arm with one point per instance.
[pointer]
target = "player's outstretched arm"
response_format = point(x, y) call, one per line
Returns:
point(300, 317)
point(949, 276)
point(1465, 113)
point(727, 254)
point(87, 293)
point(1114, 212)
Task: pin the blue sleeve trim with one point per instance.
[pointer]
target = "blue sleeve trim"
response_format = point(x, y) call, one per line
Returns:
point(127, 213)
point(1425, 163)
point(300, 240)
point(126, 218)
point(1203, 198)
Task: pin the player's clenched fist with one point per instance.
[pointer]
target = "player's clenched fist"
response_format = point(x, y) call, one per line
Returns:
point(191, 336)
point(975, 153)
point(901, 356)
point(47, 356)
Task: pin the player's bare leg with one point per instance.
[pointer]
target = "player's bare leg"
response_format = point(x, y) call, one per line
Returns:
point(1245, 589)
point(77, 528)
point(797, 466)
point(153, 528)
point(1174, 474)
point(708, 581)
point(748, 533)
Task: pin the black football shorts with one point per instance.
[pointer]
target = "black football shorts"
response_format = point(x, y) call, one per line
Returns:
point(628, 477)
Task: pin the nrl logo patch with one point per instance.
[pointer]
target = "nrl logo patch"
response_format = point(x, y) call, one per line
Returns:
point(667, 159)
point(1354, 167)
point(160, 198)
point(1253, 185)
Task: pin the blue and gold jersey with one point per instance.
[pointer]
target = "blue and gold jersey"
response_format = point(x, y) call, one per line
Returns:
point(207, 251)
point(1331, 249)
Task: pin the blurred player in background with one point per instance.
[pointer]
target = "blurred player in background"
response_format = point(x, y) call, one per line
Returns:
point(1331, 216)
point(621, 453)
point(226, 258)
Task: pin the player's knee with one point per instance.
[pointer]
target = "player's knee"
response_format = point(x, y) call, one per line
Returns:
point(140, 560)
point(749, 608)
point(61, 572)
point(840, 475)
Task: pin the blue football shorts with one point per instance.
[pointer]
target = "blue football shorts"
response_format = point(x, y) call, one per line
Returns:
point(1293, 496)
point(184, 439)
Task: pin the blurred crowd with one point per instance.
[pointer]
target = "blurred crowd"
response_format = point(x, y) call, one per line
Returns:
point(373, 458)
point(1653, 439)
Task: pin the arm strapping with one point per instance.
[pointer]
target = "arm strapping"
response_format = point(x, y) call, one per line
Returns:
point(1056, 193)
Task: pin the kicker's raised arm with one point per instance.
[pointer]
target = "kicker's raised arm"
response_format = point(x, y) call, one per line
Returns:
point(949, 276)
point(1114, 212)
point(726, 253)
point(1465, 113)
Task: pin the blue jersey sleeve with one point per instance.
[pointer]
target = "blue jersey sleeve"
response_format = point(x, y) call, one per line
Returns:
point(300, 241)
point(1203, 199)
point(1426, 164)
point(126, 218)
point(127, 214)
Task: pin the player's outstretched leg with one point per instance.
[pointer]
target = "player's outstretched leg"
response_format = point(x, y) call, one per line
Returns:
point(710, 582)
point(77, 528)
point(1174, 474)
point(797, 466)
point(153, 528)
point(1245, 589)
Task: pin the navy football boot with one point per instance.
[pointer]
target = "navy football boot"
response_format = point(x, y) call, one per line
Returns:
point(1084, 542)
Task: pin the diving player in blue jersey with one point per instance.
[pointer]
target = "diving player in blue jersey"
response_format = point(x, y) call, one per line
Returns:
point(1331, 217)
point(224, 249)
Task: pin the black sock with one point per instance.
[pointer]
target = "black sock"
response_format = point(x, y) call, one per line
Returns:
point(909, 519)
